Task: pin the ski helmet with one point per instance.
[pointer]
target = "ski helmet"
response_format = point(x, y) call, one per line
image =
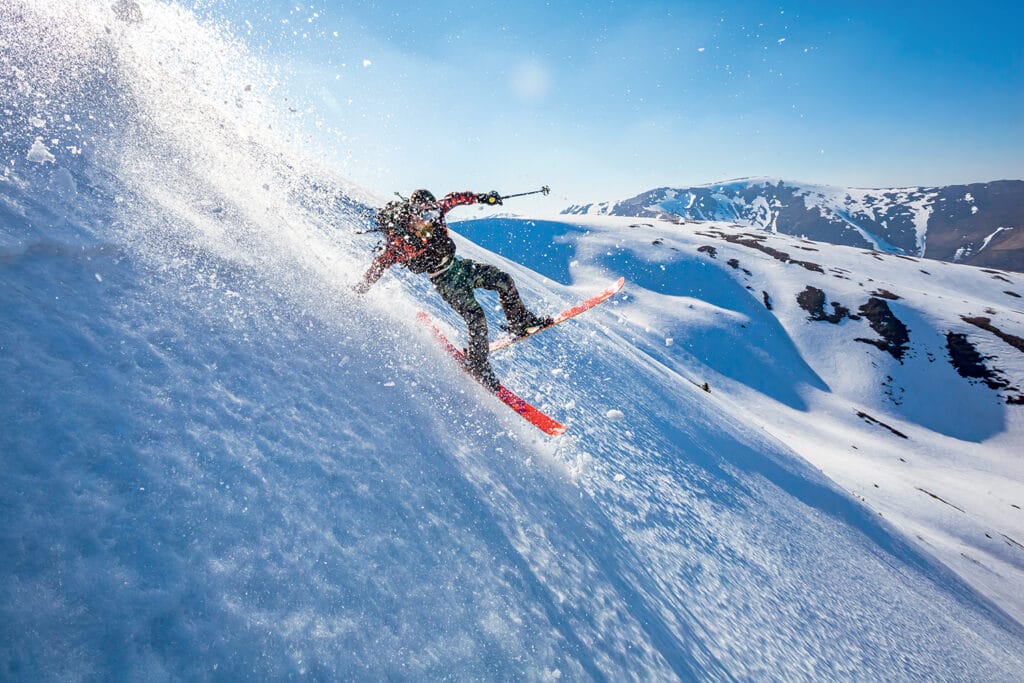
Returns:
point(422, 199)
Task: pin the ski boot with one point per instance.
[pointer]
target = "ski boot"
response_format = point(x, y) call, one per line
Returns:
point(528, 324)
point(481, 370)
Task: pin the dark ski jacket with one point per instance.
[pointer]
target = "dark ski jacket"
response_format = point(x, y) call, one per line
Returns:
point(430, 255)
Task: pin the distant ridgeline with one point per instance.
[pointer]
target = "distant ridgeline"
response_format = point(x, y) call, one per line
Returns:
point(981, 224)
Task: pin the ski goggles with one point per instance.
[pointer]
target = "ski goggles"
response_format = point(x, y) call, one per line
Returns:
point(429, 215)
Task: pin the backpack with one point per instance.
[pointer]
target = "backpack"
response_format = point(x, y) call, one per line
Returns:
point(392, 220)
point(393, 217)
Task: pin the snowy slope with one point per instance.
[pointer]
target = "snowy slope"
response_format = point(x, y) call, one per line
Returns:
point(927, 448)
point(219, 463)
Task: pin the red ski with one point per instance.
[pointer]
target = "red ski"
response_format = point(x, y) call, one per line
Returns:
point(608, 293)
point(535, 417)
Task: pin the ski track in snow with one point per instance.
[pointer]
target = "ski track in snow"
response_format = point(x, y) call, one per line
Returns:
point(220, 463)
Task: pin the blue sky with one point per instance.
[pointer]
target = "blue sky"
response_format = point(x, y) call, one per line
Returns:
point(605, 100)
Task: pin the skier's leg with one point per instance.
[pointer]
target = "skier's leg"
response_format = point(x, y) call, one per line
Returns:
point(461, 299)
point(490, 277)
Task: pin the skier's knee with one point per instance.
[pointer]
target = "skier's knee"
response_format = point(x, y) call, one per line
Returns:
point(506, 282)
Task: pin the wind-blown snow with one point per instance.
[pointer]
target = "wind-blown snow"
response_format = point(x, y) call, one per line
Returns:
point(218, 462)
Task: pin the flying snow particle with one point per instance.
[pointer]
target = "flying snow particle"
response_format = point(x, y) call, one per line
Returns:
point(579, 467)
point(615, 415)
point(37, 122)
point(39, 153)
point(669, 341)
point(701, 49)
point(620, 477)
point(367, 63)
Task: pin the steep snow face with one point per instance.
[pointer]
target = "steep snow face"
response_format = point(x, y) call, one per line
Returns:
point(219, 462)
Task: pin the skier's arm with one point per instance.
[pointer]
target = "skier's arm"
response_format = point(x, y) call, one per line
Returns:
point(453, 199)
point(377, 268)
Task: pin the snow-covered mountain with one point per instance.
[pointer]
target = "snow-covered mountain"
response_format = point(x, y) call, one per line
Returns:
point(787, 460)
point(980, 224)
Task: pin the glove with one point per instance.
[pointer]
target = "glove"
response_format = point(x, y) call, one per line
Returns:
point(361, 287)
point(491, 198)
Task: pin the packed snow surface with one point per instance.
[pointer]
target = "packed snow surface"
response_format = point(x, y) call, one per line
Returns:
point(219, 462)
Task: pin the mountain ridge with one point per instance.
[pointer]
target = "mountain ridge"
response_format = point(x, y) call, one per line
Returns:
point(978, 224)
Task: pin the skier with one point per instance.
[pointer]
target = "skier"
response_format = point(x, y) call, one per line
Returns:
point(416, 236)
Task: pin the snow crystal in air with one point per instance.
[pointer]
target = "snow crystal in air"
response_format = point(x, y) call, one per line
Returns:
point(615, 415)
point(39, 153)
point(579, 467)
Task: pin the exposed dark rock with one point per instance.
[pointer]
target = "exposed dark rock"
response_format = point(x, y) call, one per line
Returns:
point(754, 242)
point(971, 364)
point(709, 250)
point(767, 300)
point(886, 294)
point(986, 324)
point(895, 392)
point(867, 418)
point(1014, 294)
point(895, 336)
point(929, 493)
point(735, 264)
point(1010, 541)
point(812, 300)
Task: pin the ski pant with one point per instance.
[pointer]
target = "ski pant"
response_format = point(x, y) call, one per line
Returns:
point(456, 286)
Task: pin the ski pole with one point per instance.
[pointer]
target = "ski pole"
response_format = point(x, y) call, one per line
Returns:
point(544, 190)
